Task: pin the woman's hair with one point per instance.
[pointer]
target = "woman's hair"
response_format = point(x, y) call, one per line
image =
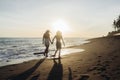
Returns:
point(59, 33)
point(46, 34)
point(47, 31)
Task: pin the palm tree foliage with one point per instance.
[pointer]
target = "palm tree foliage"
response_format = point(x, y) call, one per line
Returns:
point(116, 24)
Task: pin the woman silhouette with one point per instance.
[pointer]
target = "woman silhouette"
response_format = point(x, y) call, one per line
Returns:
point(46, 41)
point(58, 38)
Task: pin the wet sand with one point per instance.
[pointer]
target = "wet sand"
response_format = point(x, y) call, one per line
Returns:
point(99, 61)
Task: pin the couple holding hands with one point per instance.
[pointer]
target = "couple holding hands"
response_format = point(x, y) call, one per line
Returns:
point(46, 41)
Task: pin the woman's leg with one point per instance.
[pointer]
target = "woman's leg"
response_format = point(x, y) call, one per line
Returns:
point(55, 52)
point(59, 52)
point(46, 50)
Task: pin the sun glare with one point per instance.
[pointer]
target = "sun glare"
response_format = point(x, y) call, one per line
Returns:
point(60, 25)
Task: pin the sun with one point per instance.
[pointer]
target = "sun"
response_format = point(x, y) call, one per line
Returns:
point(61, 26)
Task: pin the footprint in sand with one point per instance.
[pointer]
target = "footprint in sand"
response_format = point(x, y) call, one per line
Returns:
point(99, 56)
point(35, 77)
point(106, 77)
point(84, 77)
point(80, 60)
point(74, 71)
point(78, 67)
point(11, 70)
point(92, 68)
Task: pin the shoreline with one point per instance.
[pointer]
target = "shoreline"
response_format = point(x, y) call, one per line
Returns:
point(40, 56)
point(99, 61)
point(15, 53)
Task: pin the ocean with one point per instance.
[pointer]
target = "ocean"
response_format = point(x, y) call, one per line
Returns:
point(18, 50)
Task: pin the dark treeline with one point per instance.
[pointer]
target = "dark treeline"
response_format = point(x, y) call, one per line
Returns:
point(116, 26)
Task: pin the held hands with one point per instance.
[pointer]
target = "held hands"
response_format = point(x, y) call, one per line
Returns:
point(51, 42)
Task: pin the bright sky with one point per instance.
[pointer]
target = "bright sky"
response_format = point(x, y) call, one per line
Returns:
point(75, 18)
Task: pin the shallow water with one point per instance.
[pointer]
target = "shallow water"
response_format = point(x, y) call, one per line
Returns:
point(18, 50)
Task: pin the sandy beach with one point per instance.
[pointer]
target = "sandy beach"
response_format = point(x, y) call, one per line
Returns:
point(99, 61)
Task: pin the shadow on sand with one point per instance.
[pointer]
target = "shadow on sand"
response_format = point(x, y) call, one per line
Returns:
point(56, 72)
point(26, 74)
point(70, 74)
